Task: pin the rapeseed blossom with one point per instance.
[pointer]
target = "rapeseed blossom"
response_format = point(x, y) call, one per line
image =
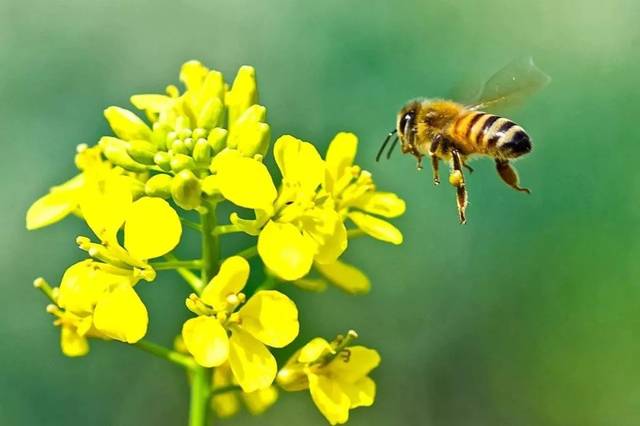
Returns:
point(190, 150)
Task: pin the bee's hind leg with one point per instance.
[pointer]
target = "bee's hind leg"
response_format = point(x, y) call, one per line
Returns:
point(457, 179)
point(435, 163)
point(509, 175)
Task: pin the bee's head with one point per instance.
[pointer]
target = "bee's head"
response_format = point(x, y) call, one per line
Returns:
point(406, 122)
point(405, 130)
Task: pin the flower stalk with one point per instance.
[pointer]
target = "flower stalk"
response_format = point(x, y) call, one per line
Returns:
point(200, 383)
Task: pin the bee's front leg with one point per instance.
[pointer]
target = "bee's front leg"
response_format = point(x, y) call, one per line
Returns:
point(457, 179)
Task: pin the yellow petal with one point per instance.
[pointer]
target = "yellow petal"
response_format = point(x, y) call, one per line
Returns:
point(206, 340)
point(231, 279)
point(126, 125)
point(358, 364)
point(299, 162)
point(330, 398)
point(152, 103)
point(245, 182)
point(347, 277)
point(243, 93)
point(52, 208)
point(285, 251)
point(271, 317)
point(377, 228)
point(361, 393)
point(192, 74)
point(385, 204)
point(152, 228)
point(83, 284)
point(340, 155)
point(335, 243)
point(314, 349)
point(251, 362)
point(121, 315)
point(259, 401)
point(105, 203)
point(72, 343)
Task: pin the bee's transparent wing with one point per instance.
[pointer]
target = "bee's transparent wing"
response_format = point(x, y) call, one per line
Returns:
point(511, 85)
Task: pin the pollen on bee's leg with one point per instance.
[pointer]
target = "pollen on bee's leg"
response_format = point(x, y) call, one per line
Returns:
point(456, 179)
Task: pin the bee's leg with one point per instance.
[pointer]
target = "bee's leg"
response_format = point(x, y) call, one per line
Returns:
point(435, 162)
point(509, 175)
point(468, 167)
point(457, 179)
point(433, 148)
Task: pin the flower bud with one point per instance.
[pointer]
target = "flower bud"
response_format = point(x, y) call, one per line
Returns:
point(202, 152)
point(182, 162)
point(255, 139)
point(217, 139)
point(186, 189)
point(211, 113)
point(243, 93)
point(178, 146)
point(126, 125)
point(159, 186)
point(163, 160)
point(141, 151)
point(116, 151)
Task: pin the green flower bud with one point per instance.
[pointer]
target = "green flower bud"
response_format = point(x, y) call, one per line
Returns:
point(159, 186)
point(116, 151)
point(217, 139)
point(142, 151)
point(163, 160)
point(202, 152)
point(186, 190)
point(178, 146)
point(181, 162)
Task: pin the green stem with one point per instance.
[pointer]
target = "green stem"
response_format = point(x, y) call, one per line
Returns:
point(190, 224)
point(226, 229)
point(248, 253)
point(199, 405)
point(355, 233)
point(225, 389)
point(167, 354)
point(210, 244)
point(201, 377)
point(191, 279)
point(175, 264)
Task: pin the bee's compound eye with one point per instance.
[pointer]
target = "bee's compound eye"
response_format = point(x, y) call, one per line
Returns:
point(406, 118)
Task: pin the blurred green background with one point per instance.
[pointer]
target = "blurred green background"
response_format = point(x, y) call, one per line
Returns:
point(528, 315)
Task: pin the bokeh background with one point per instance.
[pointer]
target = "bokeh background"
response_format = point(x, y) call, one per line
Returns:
point(528, 315)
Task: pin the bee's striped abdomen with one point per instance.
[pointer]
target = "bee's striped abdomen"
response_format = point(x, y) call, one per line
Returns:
point(490, 134)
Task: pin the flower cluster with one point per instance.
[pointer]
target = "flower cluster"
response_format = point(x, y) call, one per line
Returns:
point(196, 149)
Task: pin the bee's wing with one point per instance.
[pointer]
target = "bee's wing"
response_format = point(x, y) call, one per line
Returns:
point(511, 85)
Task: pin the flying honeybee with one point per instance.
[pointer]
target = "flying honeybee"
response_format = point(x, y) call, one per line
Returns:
point(455, 132)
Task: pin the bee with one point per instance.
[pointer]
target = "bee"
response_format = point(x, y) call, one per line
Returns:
point(455, 132)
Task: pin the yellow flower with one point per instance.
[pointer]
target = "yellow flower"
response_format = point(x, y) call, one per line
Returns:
point(227, 404)
point(336, 375)
point(355, 194)
point(151, 226)
point(65, 198)
point(188, 130)
point(221, 332)
point(296, 225)
point(97, 300)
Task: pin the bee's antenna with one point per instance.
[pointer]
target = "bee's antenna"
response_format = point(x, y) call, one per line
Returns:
point(384, 144)
point(393, 145)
